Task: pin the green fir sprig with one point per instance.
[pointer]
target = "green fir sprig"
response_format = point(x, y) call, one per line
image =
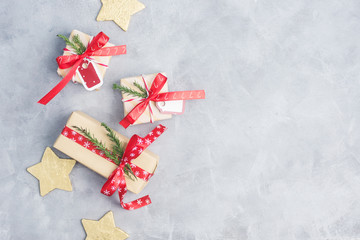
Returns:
point(75, 43)
point(118, 147)
point(125, 90)
point(79, 43)
point(141, 88)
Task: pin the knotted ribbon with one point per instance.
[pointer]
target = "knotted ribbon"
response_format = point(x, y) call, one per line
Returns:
point(116, 181)
point(95, 48)
point(155, 96)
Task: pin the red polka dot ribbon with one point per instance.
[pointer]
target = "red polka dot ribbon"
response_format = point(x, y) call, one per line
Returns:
point(116, 180)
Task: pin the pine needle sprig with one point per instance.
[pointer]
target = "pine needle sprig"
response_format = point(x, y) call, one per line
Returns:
point(129, 172)
point(130, 91)
point(141, 88)
point(76, 40)
point(118, 148)
point(77, 49)
point(98, 144)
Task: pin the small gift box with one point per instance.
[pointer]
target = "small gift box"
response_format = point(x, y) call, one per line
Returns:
point(147, 99)
point(129, 105)
point(101, 61)
point(77, 141)
point(85, 60)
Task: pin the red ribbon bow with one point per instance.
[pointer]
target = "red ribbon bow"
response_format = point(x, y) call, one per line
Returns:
point(116, 181)
point(154, 95)
point(95, 48)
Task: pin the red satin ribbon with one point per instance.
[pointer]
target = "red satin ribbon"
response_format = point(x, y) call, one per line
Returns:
point(155, 96)
point(116, 180)
point(95, 48)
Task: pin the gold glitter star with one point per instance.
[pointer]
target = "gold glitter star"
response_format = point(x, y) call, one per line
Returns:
point(119, 11)
point(104, 229)
point(52, 172)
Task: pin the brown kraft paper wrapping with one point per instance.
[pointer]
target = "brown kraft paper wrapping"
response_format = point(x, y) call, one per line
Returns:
point(147, 160)
point(85, 39)
point(128, 106)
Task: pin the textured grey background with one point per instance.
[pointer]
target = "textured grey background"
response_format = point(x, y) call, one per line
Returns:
point(272, 153)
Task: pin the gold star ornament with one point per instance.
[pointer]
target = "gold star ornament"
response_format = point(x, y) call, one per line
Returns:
point(119, 11)
point(52, 172)
point(104, 229)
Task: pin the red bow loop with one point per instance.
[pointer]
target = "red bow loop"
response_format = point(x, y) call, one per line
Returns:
point(114, 181)
point(157, 85)
point(97, 43)
point(134, 148)
point(67, 61)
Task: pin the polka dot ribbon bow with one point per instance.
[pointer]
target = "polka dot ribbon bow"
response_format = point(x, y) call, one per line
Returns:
point(116, 180)
point(95, 48)
point(153, 94)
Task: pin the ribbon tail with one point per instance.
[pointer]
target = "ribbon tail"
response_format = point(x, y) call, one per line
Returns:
point(117, 181)
point(53, 92)
point(111, 51)
point(113, 182)
point(134, 114)
point(180, 95)
point(138, 203)
point(125, 122)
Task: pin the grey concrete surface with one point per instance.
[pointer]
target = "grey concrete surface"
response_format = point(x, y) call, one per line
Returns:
point(272, 153)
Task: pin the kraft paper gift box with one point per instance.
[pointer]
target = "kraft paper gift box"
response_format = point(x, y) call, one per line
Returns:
point(147, 160)
point(128, 106)
point(85, 39)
